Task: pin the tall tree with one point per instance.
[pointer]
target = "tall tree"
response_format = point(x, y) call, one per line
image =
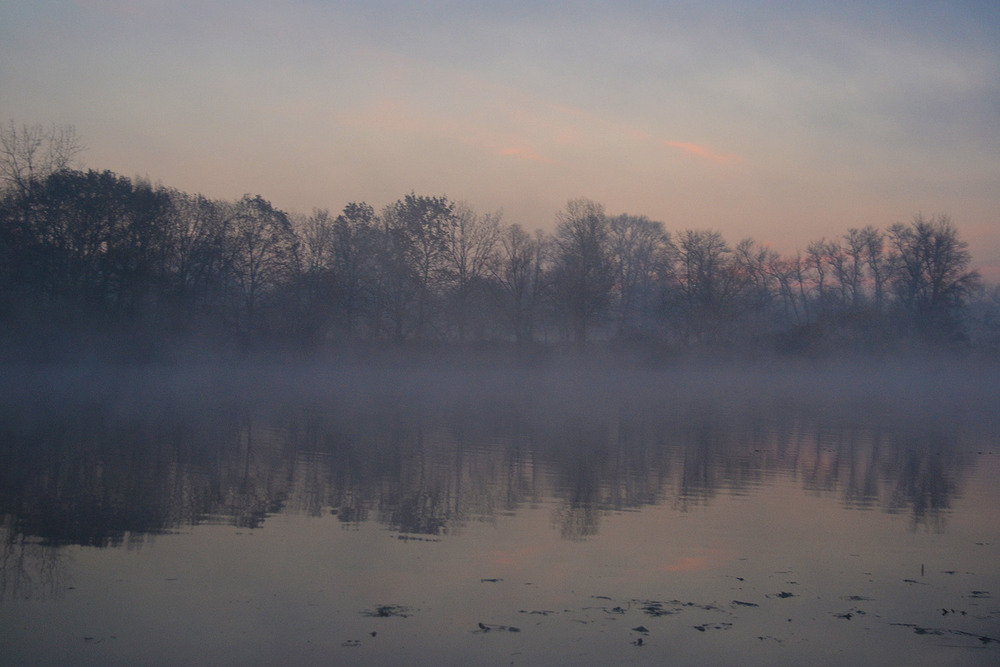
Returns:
point(469, 245)
point(91, 242)
point(931, 276)
point(582, 275)
point(640, 255)
point(519, 270)
point(262, 254)
point(355, 269)
point(198, 233)
point(414, 232)
point(316, 279)
point(706, 280)
point(818, 261)
point(29, 153)
point(873, 251)
point(755, 288)
point(848, 267)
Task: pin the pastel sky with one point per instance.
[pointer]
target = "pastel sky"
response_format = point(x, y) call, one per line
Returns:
point(784, 121)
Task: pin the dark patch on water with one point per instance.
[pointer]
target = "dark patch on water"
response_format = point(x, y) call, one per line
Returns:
point(486, 627)
point(922, 630)
point(713, 626)
point(387, 611)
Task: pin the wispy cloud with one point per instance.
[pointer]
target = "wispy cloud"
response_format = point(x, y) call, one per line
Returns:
point(454, 105)
point(407, 119)
point(696, 150)
point(705, 152)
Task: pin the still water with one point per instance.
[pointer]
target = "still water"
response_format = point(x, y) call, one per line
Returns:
point(489, 513)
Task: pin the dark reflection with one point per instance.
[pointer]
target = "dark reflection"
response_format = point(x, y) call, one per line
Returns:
point(28, 568)
point(147, 456)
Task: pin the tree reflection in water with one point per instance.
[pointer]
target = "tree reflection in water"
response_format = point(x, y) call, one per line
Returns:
point(108, 470)
point(28, 568)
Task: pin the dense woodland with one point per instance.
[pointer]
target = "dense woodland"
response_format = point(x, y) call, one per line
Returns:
point(94, 259)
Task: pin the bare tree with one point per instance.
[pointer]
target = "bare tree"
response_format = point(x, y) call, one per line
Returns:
point(316, 281)
point(263, 253)
point(755, 286)
point(706, 283)
point(317, 242)
point(931, 276)
point(31, 152)
point(469, 246)
point(355, 267)
point(196, 262)
point(582, 273)
point(640, 254)
point(873, 250)
point(818, 261)
point(414, 230)
point(848, 266)
point(518, 270)
point(788, 276)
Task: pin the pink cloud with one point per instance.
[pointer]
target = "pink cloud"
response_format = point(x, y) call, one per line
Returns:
point(567, 131)
point(705, 152)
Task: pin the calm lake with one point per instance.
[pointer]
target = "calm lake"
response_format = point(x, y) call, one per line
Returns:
point(483, 512)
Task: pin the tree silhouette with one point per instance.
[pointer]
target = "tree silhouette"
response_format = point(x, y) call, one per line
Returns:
point(92, 250)
point(582, 276)
point(931, 276)
point(29, 153)
point(261, 254)
point(641, 257)
point(519, 269)
point(469, 248)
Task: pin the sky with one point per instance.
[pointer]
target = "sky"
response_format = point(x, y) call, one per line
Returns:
point(786, 122)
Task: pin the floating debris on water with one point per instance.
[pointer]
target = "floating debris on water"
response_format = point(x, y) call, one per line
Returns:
point(387, 611)
point(921, 630)
point(483, 628)
point(712, 626)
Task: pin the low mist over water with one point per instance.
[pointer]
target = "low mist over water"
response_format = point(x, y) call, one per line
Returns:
point(530, 510)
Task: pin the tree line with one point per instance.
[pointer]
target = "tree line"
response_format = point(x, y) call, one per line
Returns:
point(88, 250)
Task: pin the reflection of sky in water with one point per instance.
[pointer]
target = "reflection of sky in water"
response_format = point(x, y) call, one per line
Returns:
point(731, 535)
point(294, 589)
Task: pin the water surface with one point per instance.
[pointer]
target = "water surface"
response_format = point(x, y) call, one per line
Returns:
point(492, 514)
